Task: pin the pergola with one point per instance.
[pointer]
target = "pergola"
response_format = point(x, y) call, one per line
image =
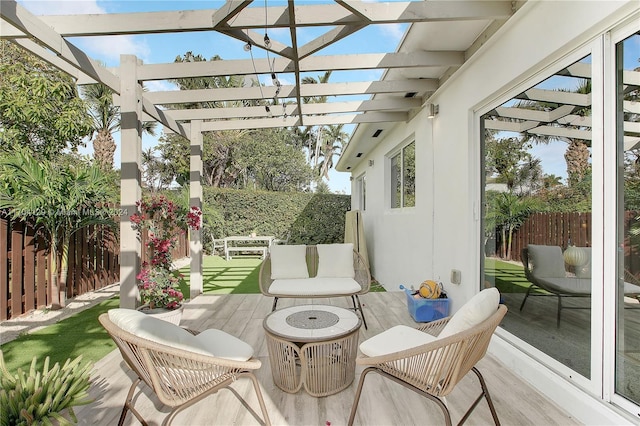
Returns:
point(442, 37)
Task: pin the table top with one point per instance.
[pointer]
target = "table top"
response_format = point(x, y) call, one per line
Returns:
point(311, 323)
point(267, 238)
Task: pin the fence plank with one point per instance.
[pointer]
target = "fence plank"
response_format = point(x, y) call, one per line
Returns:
point(42, 295)
point(4, 269)
point(29, 270)
point(16, 268)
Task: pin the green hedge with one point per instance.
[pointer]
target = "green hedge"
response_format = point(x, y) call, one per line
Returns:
point(306, 218)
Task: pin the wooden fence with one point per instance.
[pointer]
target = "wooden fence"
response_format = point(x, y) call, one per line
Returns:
point(24, 262)
point(559, 228)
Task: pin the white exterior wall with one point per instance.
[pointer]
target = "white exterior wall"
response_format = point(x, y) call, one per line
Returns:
point(405, 247)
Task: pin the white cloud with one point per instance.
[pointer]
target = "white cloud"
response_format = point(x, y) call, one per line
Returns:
point(395, 31)
point(65, 7)
point(159, 86)
point(109, 48)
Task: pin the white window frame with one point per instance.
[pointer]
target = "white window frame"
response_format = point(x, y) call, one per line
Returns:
point(399, 151)
point(361, 191)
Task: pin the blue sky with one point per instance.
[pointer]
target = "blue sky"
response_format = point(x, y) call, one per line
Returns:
point(163, 48)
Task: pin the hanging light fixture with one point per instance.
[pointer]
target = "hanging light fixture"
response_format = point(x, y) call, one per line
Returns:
point(247, 47)
point(267, 40)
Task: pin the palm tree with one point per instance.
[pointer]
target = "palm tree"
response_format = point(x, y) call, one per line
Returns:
point(106, 121)
point(333, 141)
point(508, 211)
point(315, 142)
point(57, 200)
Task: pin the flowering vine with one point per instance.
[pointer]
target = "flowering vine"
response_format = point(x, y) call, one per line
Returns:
point(163, 221)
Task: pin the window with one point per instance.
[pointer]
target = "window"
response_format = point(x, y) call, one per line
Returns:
point(361, 190)
point(403, 177)
point(537, 191)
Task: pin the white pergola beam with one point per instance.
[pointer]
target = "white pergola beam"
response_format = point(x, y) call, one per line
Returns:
point(310, 64)
point(289, 121)
point(328, 38)
point(292, 109)
point(555, 96)
point(254, 18)
point(23, 20)
point(287, 91)
point(230, 9)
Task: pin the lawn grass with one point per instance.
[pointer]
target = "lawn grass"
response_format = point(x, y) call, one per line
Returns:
point(509, 277)
point(83, 334)
point(80, 334)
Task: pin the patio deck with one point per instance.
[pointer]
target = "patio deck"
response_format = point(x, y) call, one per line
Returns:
point(382, 402)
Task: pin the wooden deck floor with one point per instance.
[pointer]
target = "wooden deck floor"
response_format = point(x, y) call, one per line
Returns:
point(382, 402)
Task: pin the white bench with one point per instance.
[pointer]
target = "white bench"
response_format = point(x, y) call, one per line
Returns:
point(262, 251)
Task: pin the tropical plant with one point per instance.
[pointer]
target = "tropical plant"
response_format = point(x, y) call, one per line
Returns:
point(58, 200)
point(508, 211)
point(43, 397)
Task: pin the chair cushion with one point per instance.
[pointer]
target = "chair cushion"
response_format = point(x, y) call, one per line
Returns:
point(476, 310)
point(335, 261)
point(395, 339)
point(546, 261)
point(165, 333)
point(570, 285)
point(288, 261)
point(314, 287)
point(224, 345)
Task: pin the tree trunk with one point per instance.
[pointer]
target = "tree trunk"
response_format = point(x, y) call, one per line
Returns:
point(53, 276)
point(64, 268)
point(508, 256)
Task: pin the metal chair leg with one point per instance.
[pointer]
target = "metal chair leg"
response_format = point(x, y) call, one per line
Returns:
point(359, 308)
point(354, 407)
point(526, 295)
point(128, 405)
point(485, 394)
point(275, 302)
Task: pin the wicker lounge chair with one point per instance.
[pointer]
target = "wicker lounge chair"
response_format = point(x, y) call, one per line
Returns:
point(180, 377)
point(433, 369)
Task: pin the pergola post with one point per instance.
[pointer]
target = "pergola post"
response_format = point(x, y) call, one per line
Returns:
point(130, 181)
point(195, 199)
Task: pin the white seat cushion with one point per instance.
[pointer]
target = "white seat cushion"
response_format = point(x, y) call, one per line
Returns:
point(212, 344)
point(566, 285)
point(395, 339)
point(335, 261)
point(476, 310)
point(288, 261)
point(314, 287)
point(546, 261)
point(224, 345)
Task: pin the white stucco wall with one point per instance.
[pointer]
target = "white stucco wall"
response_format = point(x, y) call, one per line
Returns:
point(443, 231)
point(405, 247)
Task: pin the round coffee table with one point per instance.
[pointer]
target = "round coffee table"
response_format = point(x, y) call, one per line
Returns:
point(314, 346)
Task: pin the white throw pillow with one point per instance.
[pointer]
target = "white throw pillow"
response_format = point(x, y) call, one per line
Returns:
point(335, 261)
point(546, 261)
point(476, 310)
point(288, 261)
point(584, 271)
point(156, 330)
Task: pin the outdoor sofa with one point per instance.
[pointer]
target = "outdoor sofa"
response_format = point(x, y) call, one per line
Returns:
point(315, 271)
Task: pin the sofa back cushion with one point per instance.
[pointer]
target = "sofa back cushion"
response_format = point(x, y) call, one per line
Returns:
point(335, 261)
point(546, 261)
point(288, 262)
